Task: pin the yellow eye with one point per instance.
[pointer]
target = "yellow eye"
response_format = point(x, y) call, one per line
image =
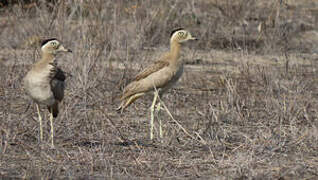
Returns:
point(53, 43)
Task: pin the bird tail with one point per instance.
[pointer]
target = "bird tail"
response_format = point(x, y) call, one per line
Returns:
point(121, 107)
point(126, 102)
point(55, 109)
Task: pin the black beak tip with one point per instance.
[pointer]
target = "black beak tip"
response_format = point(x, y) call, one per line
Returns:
point(69, 50)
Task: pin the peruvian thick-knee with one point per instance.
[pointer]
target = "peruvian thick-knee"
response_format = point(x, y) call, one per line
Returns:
point(44, 83)
point(160, 75)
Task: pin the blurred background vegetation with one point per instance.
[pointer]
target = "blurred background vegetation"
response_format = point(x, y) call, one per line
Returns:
point(249, 90)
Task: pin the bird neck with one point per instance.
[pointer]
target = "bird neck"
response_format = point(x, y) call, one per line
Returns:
point(175, 50)
point(48, 57)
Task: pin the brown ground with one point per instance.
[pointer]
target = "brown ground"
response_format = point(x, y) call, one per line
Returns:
point(245, 108)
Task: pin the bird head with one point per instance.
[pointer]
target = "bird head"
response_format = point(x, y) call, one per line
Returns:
point(53, 46)
point(180, 35)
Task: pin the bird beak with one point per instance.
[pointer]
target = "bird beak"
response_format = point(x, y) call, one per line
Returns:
point(63, 49)
point(193, 38)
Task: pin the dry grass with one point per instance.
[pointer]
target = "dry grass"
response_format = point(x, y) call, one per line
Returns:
point(248, 101)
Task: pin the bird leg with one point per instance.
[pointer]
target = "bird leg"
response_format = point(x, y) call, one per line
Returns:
point(40, 120)
point(152, 114)
point(159, 119)
point(158, 108)
point(52, 130)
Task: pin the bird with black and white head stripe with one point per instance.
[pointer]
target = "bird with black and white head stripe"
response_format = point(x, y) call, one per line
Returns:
point(44, 83)
point(159, 76)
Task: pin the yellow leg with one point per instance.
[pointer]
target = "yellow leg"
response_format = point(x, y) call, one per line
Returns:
point(159, 119)
point(52, 130)
point(152, 114)
point(40, 120)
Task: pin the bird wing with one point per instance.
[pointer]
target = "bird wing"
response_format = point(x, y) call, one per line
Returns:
point(59, 75)
point(151, 69)
point(135, 85)
point(57, 84)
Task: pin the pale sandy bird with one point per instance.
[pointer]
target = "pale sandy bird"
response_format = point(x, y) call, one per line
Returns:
point(160, 76)
point(44, 83)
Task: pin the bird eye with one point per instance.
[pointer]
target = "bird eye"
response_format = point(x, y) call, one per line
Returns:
point(181, 33)
point(53, 43)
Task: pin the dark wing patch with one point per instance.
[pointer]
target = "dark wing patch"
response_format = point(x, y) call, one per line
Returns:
point(57, 84)
point(47, 40)
point(151, 69)
point(59, 74)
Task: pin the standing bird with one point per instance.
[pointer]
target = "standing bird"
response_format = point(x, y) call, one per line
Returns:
point(44, 83)
point(158, 77)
